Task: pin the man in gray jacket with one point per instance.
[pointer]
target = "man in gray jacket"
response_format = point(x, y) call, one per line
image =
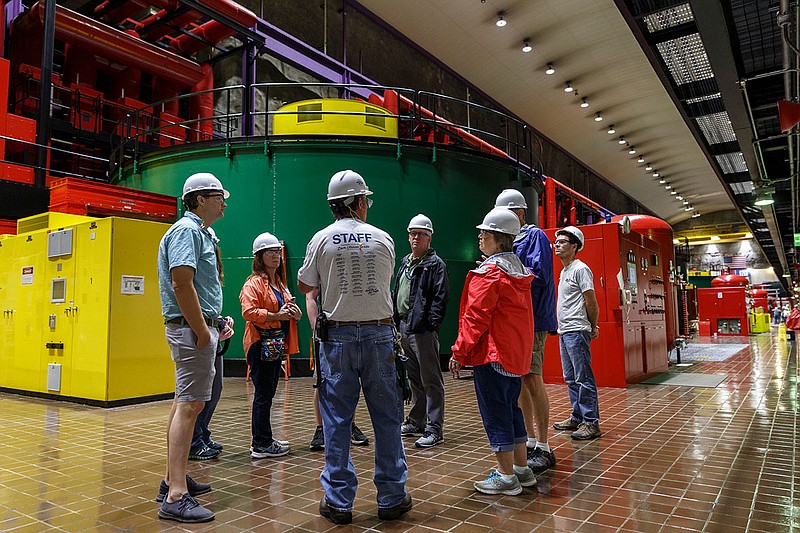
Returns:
point(420, 298)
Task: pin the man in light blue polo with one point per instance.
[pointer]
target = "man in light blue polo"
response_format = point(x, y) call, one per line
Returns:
point(191, 301)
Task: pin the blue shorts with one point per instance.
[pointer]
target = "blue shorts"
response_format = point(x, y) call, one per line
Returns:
point(497, 401)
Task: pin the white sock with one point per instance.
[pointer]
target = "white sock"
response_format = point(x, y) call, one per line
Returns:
point(507, 477)
point(543, 446)
point(520, 469)
point(531, 443)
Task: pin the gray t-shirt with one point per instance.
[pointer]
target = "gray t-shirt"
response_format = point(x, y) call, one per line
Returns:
point(574, 280)
point(352, 263)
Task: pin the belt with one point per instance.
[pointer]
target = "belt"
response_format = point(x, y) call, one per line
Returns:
point(381, 322)
point(182, 321)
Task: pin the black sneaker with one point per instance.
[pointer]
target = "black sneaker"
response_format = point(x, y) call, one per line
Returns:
point(203, 454)
point(187, 510)
point(396, 511)
point(540, 460)
point(357, 437)
point(318, 440)
point(214, 445)
point(337, 517)
point(195, 489)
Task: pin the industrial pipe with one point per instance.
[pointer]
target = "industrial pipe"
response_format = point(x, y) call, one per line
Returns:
point(74, 28)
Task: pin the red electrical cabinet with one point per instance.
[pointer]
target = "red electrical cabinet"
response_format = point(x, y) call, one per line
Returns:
point(631, 294)
point(725, 308)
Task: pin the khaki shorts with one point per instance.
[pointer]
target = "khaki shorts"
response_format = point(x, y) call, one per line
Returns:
point(194, 367)
point(537, 357)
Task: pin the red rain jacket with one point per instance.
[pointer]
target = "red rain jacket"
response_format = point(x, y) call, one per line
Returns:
point(496, 320)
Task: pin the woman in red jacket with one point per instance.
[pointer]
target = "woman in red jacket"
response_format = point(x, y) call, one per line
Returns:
point(495, 337)
point(269, 336)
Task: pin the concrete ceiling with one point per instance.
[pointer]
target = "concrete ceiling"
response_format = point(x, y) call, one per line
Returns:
point(590, 45)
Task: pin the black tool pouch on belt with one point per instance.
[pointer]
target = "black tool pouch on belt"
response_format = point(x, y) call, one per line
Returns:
point(401, 364)
point(273, 345)
point(322, 327)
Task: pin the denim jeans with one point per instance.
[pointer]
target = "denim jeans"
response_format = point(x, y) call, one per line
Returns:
point(497, 397)
point(354, 357)
point(264, 375)
point(202, 435)
point(576, 362)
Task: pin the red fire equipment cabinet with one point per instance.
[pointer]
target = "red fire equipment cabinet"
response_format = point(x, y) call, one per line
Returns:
point(725, 308)
point(631, 294)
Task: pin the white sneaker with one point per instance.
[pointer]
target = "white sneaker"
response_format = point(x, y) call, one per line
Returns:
point(428, 440)
point(494, 484)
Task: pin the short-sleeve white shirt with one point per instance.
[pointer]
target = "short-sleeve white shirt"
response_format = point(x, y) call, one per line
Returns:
point(575, 279)
point(352, 264)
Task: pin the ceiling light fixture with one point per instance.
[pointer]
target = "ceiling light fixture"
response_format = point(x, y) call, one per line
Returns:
point(550, 70)
point(621, 140)
point(656, 174)
point(668, 186)
point(673, 192)
point(631, 150)
point(686, 202)
point(641, 159)
point(598, 117)
point(568, 87)
point(662, 181)
point(584, 102)
point(649, 167)
point(696, 214)
point(611, 130)
point(501, 19)
point(679, 197)
point(764, 196)
point(526, 46)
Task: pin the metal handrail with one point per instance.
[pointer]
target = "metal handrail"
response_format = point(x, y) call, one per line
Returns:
point(516, 139)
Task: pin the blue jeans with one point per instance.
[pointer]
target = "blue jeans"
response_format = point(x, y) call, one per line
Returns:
point(576, 362)
point(265, 376)
point(354, 357)
point(202, 435)
point(497, 397)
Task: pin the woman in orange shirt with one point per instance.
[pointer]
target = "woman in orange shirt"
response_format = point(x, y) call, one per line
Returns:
point(270, 335)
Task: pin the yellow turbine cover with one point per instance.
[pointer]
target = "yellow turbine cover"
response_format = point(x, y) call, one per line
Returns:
point(334, 116)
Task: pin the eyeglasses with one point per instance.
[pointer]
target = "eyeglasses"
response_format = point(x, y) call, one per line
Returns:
point(274, 251)
point(562, 241)
point(220, 196)
point(417, 234)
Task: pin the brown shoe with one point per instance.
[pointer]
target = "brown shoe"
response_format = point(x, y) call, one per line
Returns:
point(586, 431)
point(570, 424)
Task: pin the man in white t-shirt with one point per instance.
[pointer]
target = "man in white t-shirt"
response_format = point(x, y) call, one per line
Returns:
point(351, 263)
point(577, 312)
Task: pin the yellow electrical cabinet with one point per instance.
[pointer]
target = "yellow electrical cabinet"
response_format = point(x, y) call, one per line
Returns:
point(82, 313)
point(760, 323)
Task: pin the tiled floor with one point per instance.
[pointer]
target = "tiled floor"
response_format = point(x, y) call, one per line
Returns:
point(670, 459)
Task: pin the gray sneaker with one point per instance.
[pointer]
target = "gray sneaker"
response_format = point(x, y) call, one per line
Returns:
point(494, 484)
point(428, 440)
point(187, 510)
point(570, 424)
point(276, 449)
point(527, 478)
point(586, 431)
point(408, 429)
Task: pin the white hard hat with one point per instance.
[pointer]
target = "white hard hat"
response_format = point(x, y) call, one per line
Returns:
point(346, 183)
point(421, 222)
point(203, 181)
point(574, 232)
point(265, 241)
point(500, 220)
point(511, 199)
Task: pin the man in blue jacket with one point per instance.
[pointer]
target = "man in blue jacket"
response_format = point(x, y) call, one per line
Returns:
point(533, 248)
point(420, 297)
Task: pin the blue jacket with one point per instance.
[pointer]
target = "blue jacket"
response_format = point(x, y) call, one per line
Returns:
point(533, 248)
